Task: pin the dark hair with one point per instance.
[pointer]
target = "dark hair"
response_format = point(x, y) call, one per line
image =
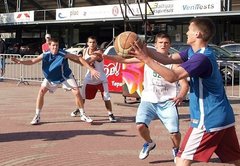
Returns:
point(162, 35)
point(206, 26)
point(55, 40)
point(92, 37)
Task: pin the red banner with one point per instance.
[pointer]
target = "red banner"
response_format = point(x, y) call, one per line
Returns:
point(113, 72)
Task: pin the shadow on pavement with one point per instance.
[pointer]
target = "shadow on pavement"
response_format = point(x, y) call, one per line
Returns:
point(58, 135)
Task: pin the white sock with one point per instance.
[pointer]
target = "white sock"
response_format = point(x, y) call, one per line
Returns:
point(81, 111)
point(38, 111)
point(109, 113)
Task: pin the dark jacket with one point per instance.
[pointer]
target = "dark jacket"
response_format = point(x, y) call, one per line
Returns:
point(3, 47)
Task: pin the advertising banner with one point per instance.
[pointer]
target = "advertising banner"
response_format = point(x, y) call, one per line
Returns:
point(160, 8)
point(17, 17)
point(113, 72)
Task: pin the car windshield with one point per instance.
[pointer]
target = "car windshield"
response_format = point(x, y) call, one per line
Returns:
point(222, 53)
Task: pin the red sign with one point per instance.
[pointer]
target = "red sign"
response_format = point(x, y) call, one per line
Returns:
point(113, 72)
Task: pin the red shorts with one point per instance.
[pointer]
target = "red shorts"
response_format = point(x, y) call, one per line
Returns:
point(89, 91)
point(199, 145)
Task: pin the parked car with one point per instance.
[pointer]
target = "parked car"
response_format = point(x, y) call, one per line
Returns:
point(229, 63)
point(180, 46)
point(24, 46)
point(31, 49)
point(234, 48)
point(77, 48)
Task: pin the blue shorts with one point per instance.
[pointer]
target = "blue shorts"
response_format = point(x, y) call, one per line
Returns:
point(166, 111)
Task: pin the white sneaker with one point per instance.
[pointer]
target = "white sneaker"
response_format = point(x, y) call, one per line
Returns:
point(75, 113)
point(147, 147)
point(112, 118)
point(85, 118)
point(36, 120)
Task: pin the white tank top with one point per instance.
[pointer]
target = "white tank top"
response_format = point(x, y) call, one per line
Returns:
point(99, 66)
point(156, 89)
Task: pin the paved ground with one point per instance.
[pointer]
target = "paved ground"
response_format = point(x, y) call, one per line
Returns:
point(62, 140)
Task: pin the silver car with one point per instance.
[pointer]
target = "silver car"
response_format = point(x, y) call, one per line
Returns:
point(234, 48)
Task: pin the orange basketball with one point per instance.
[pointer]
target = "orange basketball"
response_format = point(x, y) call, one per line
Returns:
point(123, 41)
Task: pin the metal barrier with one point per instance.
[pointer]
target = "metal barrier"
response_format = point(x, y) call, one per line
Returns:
point(33, 73)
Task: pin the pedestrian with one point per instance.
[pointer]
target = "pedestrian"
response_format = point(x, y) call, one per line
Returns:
point(212, 127)
point(45, 46)
point(56, 71)
point(3, 50)
point(159, 99)
point(91, 85)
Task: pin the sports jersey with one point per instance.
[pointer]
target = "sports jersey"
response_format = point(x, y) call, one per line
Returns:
point(156, 89)
point(99, 66)
point(55, 67)
point(209, 106)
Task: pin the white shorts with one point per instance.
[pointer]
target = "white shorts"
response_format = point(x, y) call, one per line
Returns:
point(67, 84)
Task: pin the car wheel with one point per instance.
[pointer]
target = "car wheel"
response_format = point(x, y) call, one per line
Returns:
point(226, 75)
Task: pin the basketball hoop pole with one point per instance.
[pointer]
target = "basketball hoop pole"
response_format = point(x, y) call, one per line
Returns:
point(144, 17)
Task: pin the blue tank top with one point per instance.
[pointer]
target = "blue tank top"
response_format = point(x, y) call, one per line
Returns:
point(55, 67)
point(209, 106)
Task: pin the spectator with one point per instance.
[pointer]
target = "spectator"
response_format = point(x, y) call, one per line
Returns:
point(3, 50)
point(45, 46)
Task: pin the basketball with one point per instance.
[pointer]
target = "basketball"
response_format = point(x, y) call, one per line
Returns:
point(123, 41)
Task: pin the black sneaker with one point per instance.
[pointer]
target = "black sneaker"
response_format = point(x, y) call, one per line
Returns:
point(75, 113)
point(112, 118)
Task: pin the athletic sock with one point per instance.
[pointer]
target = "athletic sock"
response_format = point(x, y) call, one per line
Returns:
point(38, 111)
point(81, 111)
point(109, 113)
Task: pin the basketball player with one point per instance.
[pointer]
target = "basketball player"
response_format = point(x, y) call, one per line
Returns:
point(56, 71)
point(212, 127)
point(91, 85)
point(159, 99)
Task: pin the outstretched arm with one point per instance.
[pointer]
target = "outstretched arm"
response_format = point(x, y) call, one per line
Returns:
point(143, 53)
point(29, 61)
point(120, 59)
point(75, 58)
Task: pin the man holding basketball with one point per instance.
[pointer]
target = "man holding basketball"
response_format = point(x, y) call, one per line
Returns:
point(159, 99)
point(212, 127)
point(56, 72)
point(91, 85)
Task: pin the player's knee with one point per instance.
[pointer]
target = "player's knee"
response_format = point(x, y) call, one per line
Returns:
point(141, 126)
point(175, 134)
point(43, 91)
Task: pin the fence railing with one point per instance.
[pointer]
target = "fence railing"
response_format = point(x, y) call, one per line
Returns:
point(33, 73)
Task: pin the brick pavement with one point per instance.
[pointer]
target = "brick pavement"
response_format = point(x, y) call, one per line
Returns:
point(62, 140)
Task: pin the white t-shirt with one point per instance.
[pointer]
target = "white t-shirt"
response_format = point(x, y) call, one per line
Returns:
point(99, 66)
point(155, 88)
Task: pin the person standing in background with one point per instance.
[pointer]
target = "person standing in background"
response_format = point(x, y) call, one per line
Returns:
point(92, 85)
point(45, 46)
point(3, 50)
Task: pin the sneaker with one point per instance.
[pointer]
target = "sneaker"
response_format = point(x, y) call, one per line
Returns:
point(85, 118)
point(75, 113)
point(112, 118)
point(147, 147)
point(174, 152)
point(36, 120)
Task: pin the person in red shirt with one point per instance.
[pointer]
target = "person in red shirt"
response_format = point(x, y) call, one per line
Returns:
point(45, 46)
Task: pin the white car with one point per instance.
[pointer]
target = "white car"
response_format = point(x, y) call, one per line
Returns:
point(77, 48)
